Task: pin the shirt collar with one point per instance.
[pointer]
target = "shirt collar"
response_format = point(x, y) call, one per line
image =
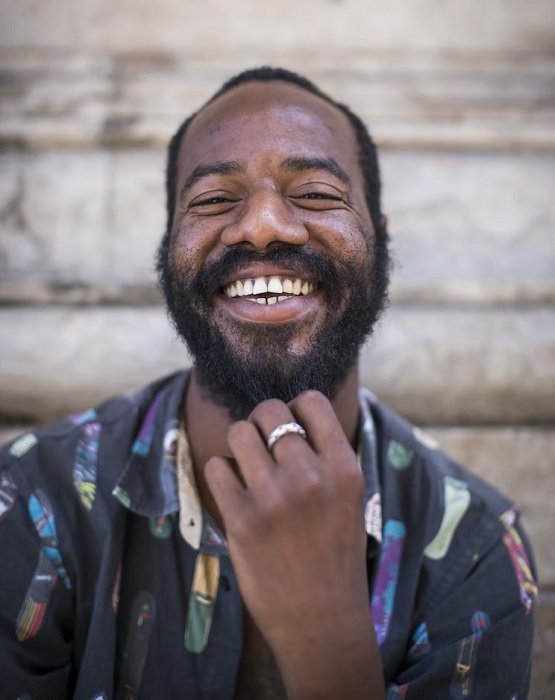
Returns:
point(198, 528)
point(368, 460)
point(148, 484)
point(159, 477)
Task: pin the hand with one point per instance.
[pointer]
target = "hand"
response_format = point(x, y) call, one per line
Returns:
point(295, 530)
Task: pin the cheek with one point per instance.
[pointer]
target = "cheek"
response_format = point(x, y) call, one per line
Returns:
point(344, 238)
point(192, 245)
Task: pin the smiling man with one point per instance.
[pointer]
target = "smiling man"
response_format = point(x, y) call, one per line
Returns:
point(260, 527)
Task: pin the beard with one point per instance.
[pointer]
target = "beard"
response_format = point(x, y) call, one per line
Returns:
point(240, 364)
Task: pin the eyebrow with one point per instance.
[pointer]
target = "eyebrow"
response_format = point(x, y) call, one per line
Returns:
point(233, 167)
point(328, 164)
point(230, 167)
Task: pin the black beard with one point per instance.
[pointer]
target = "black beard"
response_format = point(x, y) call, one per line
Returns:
point(262, 368)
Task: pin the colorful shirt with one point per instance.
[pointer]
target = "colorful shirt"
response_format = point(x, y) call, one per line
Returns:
point(116, 584)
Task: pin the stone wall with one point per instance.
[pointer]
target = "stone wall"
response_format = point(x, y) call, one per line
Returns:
point(461, 100)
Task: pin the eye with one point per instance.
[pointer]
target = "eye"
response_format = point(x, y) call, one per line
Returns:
point(212, 203)
point(321, 195)
point(209, 201)
point(322, 198)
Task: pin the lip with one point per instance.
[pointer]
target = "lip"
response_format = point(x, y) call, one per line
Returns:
point(294, 309)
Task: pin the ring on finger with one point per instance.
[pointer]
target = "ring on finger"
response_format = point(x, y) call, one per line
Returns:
point(282, 430)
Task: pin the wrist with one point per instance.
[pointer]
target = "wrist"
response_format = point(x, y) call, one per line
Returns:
point(332, 664)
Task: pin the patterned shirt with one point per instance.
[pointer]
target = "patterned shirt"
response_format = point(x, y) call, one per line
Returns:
point(117, 584)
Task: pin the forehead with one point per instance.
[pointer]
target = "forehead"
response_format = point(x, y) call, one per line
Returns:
point(266, 119)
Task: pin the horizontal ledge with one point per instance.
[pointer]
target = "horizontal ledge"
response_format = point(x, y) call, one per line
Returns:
point(473, 296)
point(61, 100)
point(444, 365)
point(78, 295)
point(432, 137)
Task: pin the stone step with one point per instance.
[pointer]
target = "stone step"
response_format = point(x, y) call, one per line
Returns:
point(444, 365)
point(216, 28)
point(83, 226)
point(485, 99)
point(471, 365)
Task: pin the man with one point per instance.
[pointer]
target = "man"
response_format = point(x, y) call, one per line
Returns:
point(259, 527)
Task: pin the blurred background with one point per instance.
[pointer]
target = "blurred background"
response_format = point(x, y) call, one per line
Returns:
point(460, 97)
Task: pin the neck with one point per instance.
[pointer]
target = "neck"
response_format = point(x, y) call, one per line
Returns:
point(207, 424)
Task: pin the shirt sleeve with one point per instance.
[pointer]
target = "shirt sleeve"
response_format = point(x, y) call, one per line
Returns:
point(35, 597)
point(477, 643)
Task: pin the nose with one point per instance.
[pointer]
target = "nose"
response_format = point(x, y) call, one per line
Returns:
point(265, 218)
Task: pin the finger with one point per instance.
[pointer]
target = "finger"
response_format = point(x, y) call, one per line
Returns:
point(270, 414)
point(315, 413)
point(228, 492)
point(249, 450)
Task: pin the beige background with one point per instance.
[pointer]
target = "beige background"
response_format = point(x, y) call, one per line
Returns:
point(460, 96)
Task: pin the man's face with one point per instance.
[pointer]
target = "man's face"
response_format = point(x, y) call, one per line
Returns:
point(271, 277)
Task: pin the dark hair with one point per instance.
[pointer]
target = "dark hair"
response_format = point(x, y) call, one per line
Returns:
point(368, 158)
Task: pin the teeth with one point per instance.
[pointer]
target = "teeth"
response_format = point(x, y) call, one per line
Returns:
point(260, 300)
point(287, 286)
point(247, 287)
point(274, 285)
point(260, 286)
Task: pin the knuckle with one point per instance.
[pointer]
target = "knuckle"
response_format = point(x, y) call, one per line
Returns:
point(238, 431)
point(311, 397)
point(271, 511)
point(312, 486)
point(213, 463)
point(267, 406)
point(274, 503)
point(309, 484)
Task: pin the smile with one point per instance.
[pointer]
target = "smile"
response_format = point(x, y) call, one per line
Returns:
point(269, 290)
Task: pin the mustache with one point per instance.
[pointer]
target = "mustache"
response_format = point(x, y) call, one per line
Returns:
point(296, 258)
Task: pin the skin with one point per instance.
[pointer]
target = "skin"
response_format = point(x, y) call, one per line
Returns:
point(298, 510)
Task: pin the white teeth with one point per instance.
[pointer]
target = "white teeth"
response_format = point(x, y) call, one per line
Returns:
point(287, 286)
point(260, 300)
point(260, 286)
point(274, 285)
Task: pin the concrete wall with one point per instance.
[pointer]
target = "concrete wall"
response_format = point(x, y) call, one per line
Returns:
point(461, 99)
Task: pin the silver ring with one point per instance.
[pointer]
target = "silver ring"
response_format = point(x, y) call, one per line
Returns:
point(282, 430)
